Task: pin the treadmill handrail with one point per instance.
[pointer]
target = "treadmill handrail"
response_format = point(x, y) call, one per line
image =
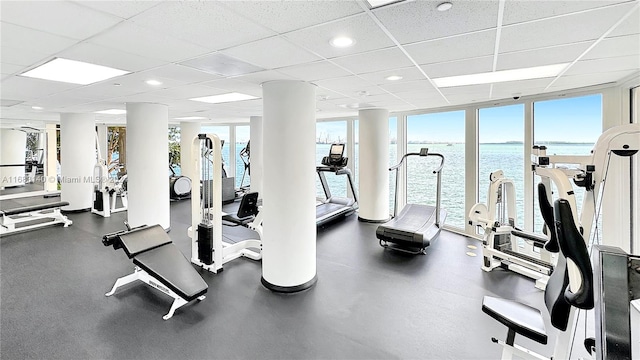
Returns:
point(438, 171)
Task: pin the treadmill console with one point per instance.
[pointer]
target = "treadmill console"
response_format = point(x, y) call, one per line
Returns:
point(336, 156)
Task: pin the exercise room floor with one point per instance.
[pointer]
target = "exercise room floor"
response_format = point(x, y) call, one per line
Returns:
point(368, 303)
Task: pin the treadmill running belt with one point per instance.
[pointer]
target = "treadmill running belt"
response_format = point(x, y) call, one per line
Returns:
point(414, 226)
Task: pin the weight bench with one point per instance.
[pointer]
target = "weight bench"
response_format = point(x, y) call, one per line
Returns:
point(159, 264)
point(28, 217)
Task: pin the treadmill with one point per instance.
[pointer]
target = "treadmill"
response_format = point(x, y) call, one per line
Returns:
point(416, 227)
point(334, 208)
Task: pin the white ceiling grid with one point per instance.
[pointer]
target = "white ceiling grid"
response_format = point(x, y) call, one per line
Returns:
point(251, 42)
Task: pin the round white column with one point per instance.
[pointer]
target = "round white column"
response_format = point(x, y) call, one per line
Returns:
point(188, 131)
point(373, 177)
point(77, 159)
point(148, 164)
point(256, 161)
point(13, 147)
point(289, 230)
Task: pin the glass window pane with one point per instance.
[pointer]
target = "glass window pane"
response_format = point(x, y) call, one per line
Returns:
point(242, 138)
point(501, 147)
point(327, 133)
point(223, 133)
point(555, 126)
point(441, 133)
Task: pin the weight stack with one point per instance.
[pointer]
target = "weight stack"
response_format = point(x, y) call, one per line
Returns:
point(205, 243)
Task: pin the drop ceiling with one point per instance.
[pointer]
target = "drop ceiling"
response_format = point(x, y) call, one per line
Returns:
point(204, 48)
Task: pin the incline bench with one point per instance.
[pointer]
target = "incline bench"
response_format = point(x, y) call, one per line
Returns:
point(159, 264)
point(29, 216)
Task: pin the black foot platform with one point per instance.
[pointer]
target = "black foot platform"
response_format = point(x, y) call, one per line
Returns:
point(159, 264)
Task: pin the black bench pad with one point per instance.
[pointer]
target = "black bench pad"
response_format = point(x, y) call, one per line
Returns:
point(523, 319)
point(173, 270)
point(26, 209)
point(144, 239)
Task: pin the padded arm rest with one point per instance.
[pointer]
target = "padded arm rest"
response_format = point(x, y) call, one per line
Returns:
point(26, 209)
point(137, 241)
point(173, 270)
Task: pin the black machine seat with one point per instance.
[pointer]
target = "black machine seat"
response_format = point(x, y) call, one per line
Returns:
point(523, 319)
point(153, 251)
point(144, 239)
point(26, 209)
point(173, 270)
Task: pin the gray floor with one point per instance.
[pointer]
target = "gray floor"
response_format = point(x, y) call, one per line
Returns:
point(368, 303)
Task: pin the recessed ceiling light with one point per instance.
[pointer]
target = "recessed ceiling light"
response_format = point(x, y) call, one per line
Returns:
point(112, 112)
point(117, 84)
point(191, 118)
point(37, 107)
point(444, 6)
point(394, 77)
point(216, 99)
point(154, 82)
point(363, 93)
point(537, 72)
point(72, 71)
point(341, 41)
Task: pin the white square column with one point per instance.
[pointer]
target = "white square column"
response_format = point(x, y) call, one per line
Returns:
point(77, 159)
point(148, 164)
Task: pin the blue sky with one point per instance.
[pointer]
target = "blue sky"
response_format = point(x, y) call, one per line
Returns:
point(576, 119)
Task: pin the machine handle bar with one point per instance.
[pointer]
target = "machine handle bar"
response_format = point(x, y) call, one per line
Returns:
point(437, 170)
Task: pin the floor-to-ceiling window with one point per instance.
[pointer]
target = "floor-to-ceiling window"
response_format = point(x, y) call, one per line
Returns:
point(327, 133)
point(501, 147)
point(567, 126)
point(441, 133)
point(242, 156)
point(223, 133)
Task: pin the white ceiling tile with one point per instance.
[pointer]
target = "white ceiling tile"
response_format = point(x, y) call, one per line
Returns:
point(379, 60)
point(361, 28)
point(628, 27)
point(187, 92)
point(314, 71)
point(23, 58)
point(616, 46)
point(519, 88)
point(41, 42)
point(577, 81)
point(344, 85)
point(24, 88)
point(105, 56)
point(179, 73)
point(221, 64)
point(420, 20)
point(420, 85)
point(205, 23)
point(609, 64)
point(539, 57)
point(123, 9)
point(59, 101)
point(233, 85)
point(264, 76)
point(410, 73)
point(459, 67)
point(520, 11)
point(58, 17)
point(470, 89)
point(271, 53)
point(133, 39)
point(556, 31)
point(459, 47)
point(284, 16)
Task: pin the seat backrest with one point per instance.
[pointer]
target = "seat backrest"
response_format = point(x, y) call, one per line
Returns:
point(558, 296)
point(574, 248)
point(546, 209)
point(139, 240)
